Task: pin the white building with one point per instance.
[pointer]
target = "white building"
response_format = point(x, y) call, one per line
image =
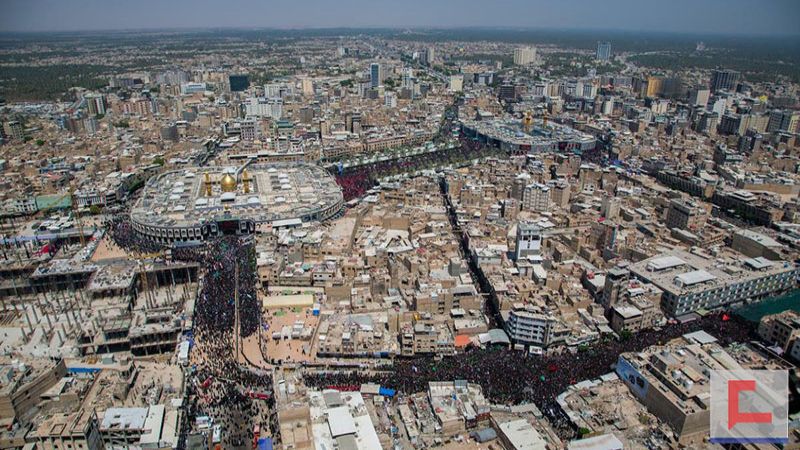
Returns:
point(527, 327)
point(456, 83)
point(529, 240)
point(524, 55)
point(341, 420)
point(264, 107)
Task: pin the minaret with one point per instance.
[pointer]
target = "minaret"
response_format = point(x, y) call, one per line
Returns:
point(246, 180)
point(207, 182)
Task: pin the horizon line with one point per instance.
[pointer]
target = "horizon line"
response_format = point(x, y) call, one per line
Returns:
point(398, 28)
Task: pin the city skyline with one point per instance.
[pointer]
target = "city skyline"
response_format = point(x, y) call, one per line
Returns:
point(776, 18)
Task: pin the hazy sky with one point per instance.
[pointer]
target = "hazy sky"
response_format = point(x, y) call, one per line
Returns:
point(696, 16)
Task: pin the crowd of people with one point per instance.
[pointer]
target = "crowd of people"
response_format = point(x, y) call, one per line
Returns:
point(221, 384)
point(214, 311)
point(511, 377)
point(123, 236)
point(356, 182)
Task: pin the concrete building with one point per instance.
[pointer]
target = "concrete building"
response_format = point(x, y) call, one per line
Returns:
point(14, 130)
point(23, 384)
point(458, 405)
point(75, 431)
point(519, 434)
point(528, 240)
point(616, 279)
point(724, 80)
point(524, 56)
point(673, 381)
point(527, 327)
point(603, 52)
point(780, 329)
point(609, 207)
point(756, 245)
point(456, 83)
point(536, 197)
point(692, 281)
point(341, 420)
point(686, 215)
point(634, 315)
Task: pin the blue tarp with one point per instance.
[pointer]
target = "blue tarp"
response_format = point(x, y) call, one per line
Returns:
point(386, 392)
point(265, 444)
point(84, 369)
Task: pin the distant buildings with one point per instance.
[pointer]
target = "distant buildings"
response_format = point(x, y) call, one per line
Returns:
point(724, 80)
point(524, 55)
point(375, 75)
point(428, 56)
point(603, 52)
point(238, 83)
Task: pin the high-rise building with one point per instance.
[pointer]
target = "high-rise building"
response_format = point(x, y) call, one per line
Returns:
point(609, 207)
point(655, 86)
point(307, 86)
point(783, 121)
point(686, 215)
point(616, 279)
point(699, 95)
point(390, 100)
point(428, 56)
point(95, 104)
point(603, 51)
point(238, 83)
point(536, 197)
point(375, 75)
point(14, 130)
point(524, 55)
point(724, 80)
point(456, 83)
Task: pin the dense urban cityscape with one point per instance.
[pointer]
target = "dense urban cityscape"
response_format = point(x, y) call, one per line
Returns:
point(396, 238)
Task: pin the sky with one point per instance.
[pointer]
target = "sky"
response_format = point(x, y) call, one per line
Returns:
point(766, 17)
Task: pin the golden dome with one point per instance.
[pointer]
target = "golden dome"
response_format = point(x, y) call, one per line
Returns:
point(228, 183)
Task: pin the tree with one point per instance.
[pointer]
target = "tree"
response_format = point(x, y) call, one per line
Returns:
point(158, 160)
point(95, 210)
point(39, 142)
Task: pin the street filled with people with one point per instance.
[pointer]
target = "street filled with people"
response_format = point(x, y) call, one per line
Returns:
point(222, 387)
point(511, 377)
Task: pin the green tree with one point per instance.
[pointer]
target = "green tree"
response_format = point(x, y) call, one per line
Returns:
point(158, 160)
point(39, 142)
point(95, 210)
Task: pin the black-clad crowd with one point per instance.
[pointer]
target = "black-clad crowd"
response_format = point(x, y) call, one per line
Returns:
point(511, 377)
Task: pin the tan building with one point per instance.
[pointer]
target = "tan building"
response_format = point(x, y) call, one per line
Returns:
point(780, 329)
point(686, 215)
point(75, 431)
point(426, 338)
point(22, 386)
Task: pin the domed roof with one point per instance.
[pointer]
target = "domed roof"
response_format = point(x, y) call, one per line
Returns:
point(228, 183)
